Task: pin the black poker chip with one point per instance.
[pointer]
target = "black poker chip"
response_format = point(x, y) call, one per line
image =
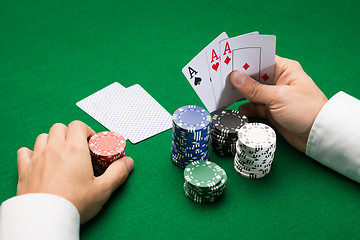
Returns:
point(219, 138)
point(224, 127)
point(228, 122)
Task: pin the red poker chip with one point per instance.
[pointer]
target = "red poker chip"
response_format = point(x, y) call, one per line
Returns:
point(107, 145)
point(106, 159)
point(99, 169)
point(106, 162)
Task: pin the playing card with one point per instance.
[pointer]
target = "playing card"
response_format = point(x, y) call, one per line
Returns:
point(131, 111)
point(213, 61)
point(96, 104)
point(253, 54)
point(221, 55)
point(247, 60)
point(197, 73)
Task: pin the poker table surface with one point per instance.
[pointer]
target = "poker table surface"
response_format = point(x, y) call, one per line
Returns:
point(55, 53)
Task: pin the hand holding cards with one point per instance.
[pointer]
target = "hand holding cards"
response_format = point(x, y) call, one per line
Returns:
point(208, 72)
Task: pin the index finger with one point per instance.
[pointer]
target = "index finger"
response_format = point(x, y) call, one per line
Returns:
point(79, 132)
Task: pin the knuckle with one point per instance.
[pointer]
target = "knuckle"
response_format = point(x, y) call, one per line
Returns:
point(75, 147)
point(42, 135)
point(76, 123)
point(21, 150)
point(58, 125)
point(295, 64)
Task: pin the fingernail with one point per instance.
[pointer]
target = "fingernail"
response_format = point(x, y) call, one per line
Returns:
point(238, 77)
point(130, 163)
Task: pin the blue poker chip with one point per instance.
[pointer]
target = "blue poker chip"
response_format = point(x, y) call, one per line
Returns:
point(187, 139)
point(190, 151)
point(188, 157)
point(189, 132)
point(196, 136)
point(184, 141)
point(191, 145)
point(191, 118)
point(185, 162)
point(191, 148)
point(180, 165)
point(190, 137)
point(191, 154)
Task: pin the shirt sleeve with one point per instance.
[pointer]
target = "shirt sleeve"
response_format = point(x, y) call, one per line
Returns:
point(334, 139)
point(39, 216)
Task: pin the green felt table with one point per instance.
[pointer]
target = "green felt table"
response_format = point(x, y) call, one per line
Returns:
point(55, 53)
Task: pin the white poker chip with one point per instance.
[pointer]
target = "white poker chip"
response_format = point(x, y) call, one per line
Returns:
point(254, 161)
point(255, 149)
point(255, 153)
point(256, 136)
point(249, 175)
point(247, 162)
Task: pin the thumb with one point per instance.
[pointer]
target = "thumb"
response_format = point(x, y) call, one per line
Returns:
point(116, 174)
point(251, 89)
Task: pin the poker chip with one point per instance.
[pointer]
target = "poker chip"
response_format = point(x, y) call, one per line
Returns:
point(228, 122)
point(105, 148)
point(190, 137)
point(255, 150)
point(225, 125)
point(205, 181)
point(256, 137)
point(191, 118)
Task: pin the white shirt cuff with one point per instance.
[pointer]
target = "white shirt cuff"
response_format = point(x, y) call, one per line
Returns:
point(39, 216)
point(334, 136)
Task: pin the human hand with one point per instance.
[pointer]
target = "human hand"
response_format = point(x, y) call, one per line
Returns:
point(61, 164)
point(291, 105)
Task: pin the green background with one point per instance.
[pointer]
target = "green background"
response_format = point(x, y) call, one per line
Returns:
point(55, 53)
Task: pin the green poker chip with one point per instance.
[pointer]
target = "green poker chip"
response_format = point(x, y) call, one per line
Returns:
point(203, 174)
point(205, 181)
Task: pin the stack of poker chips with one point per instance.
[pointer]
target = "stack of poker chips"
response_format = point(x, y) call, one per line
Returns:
point(255, 150)
point(191, 129)
point(105, 148)
point(224, 127)
point(205, 181)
